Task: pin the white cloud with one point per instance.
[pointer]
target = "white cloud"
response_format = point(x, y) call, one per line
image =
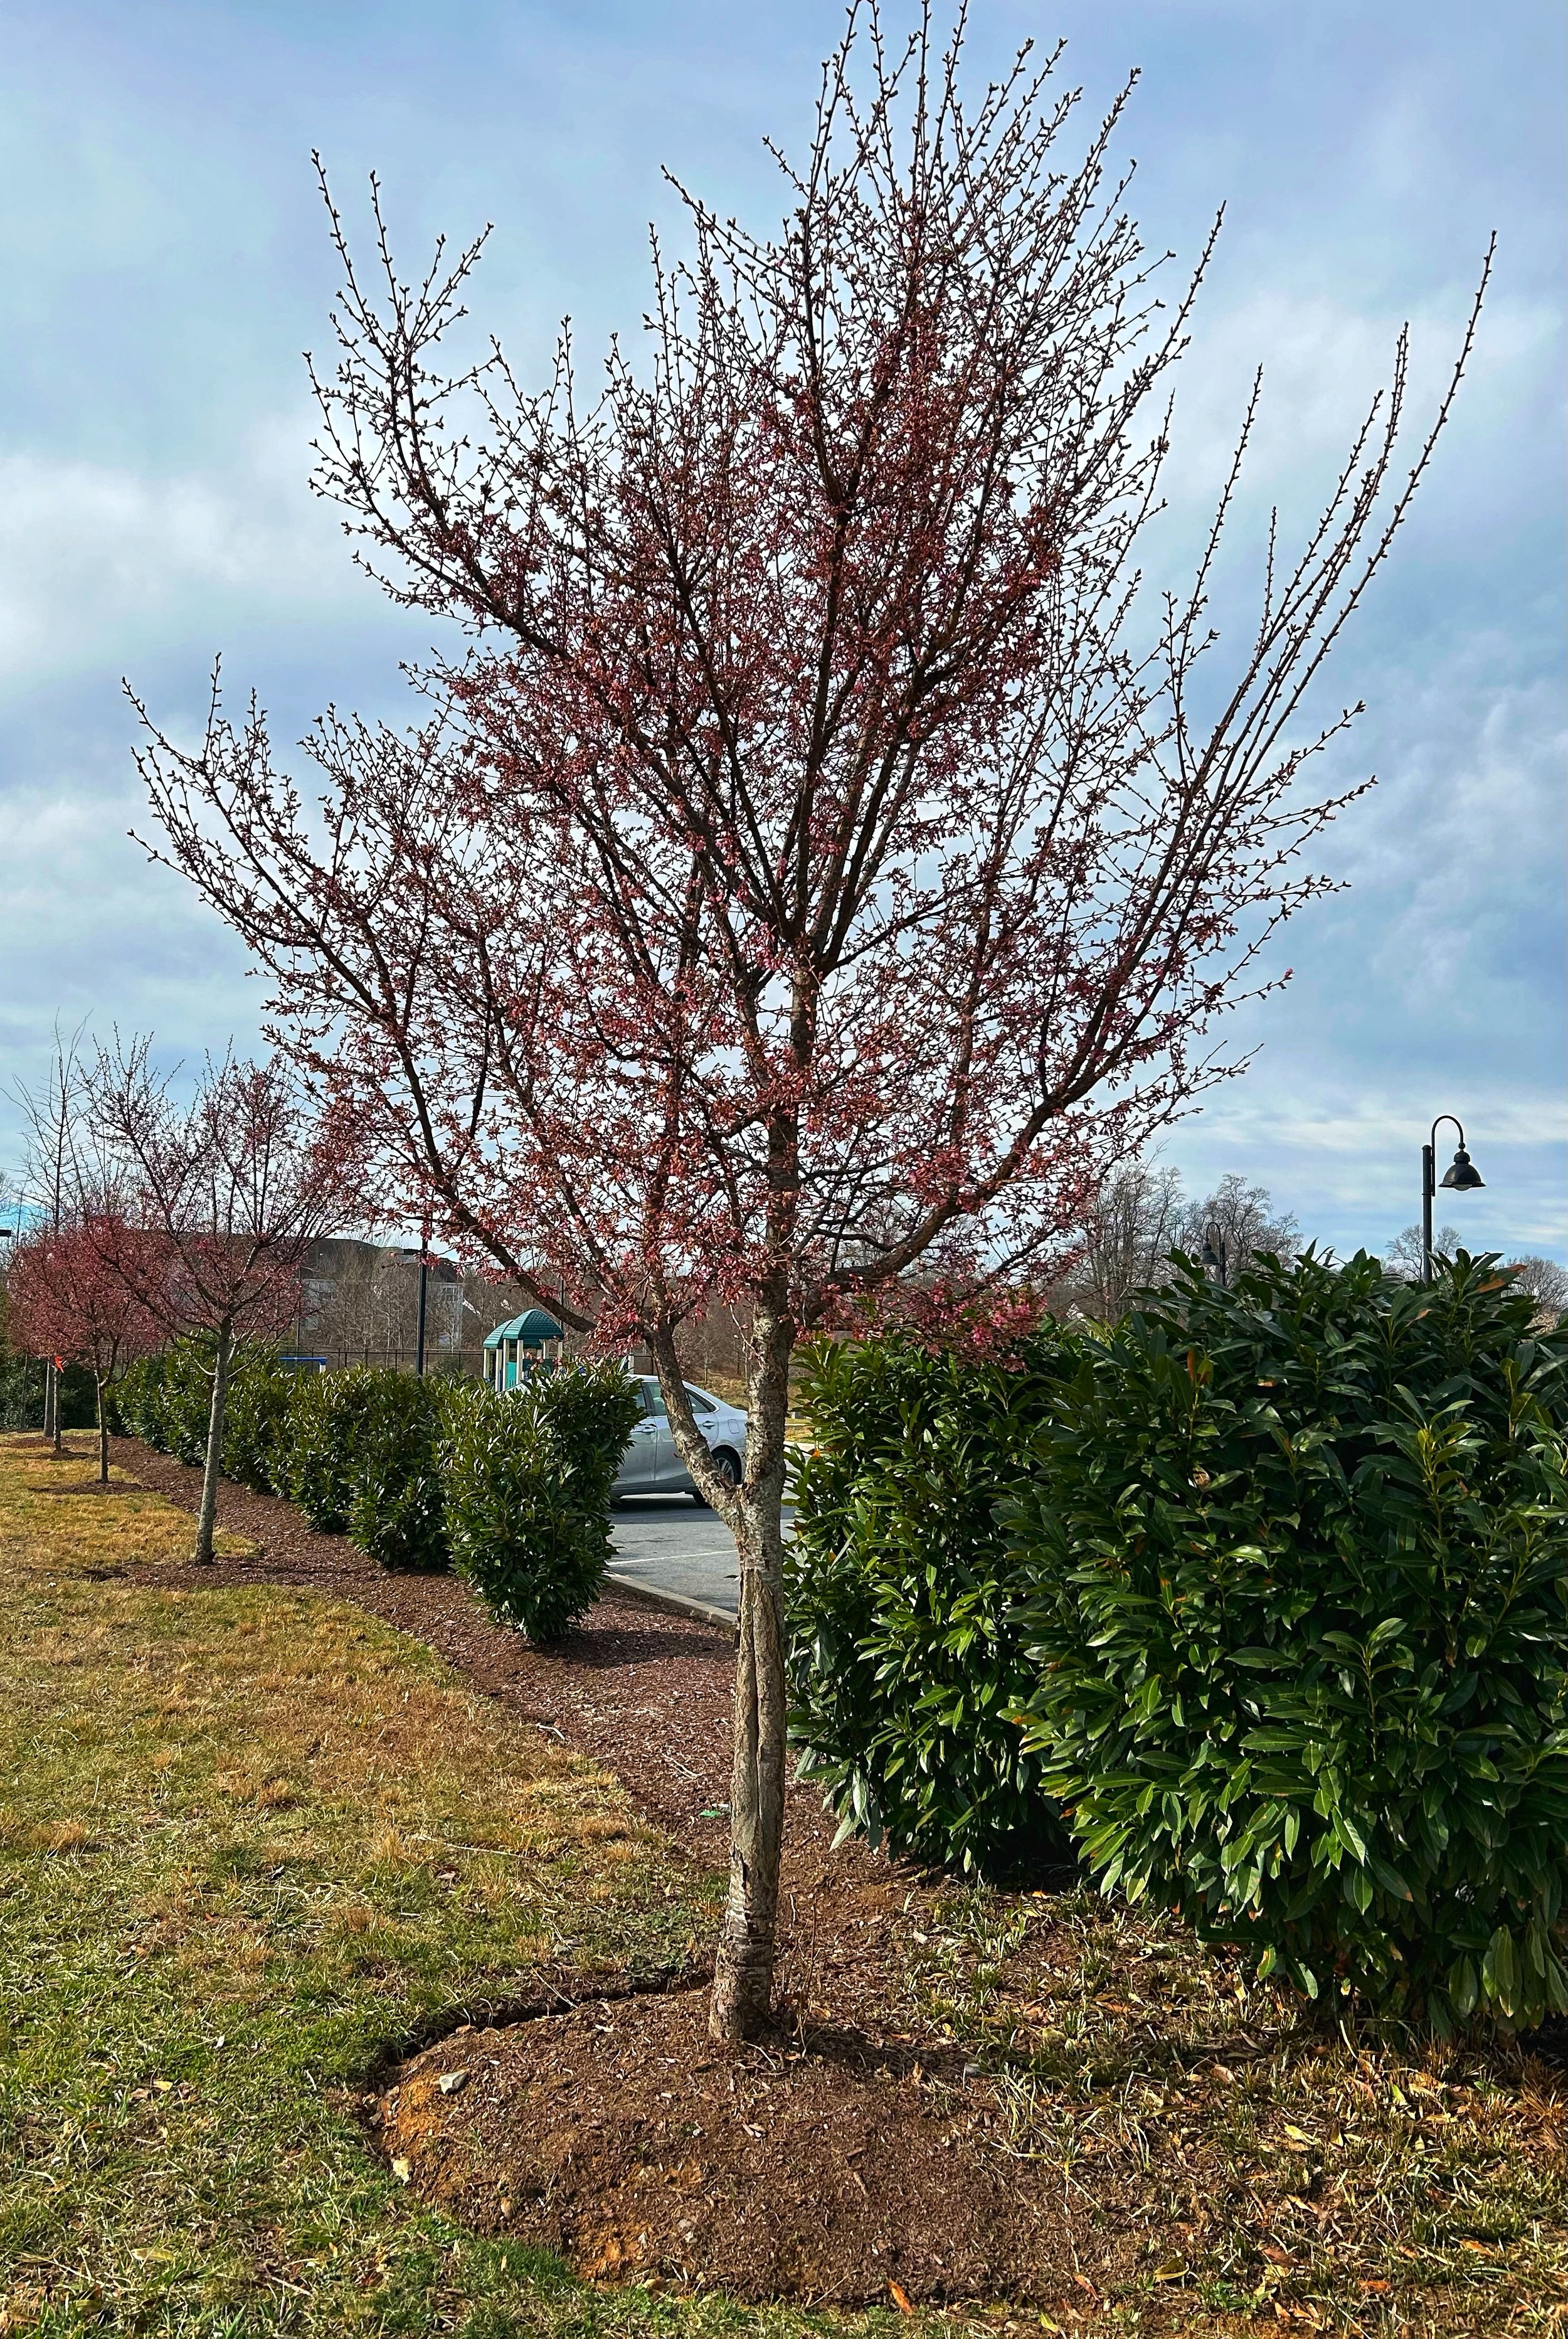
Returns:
point(96, 561)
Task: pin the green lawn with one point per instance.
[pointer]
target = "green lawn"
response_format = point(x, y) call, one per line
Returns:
point(250, 1841)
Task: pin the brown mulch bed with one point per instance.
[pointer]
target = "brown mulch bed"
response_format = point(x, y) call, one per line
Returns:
point(851, 2159)
point(622, 2137)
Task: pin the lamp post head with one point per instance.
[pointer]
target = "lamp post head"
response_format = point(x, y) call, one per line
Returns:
point(1208, 1256)
point(1462, 1176)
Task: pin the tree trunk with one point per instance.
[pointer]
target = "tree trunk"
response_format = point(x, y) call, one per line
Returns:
point(51, 1403)
point(744, 1968)
point(207, 1520)
point(103, 1434)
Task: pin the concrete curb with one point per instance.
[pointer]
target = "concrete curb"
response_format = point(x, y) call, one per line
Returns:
point(673, 1604)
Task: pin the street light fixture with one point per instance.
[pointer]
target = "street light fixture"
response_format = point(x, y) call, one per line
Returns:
point(1214, 1254)
point(1461, 1177)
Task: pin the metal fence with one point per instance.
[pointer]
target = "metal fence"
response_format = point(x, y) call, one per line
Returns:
point(469, 1361)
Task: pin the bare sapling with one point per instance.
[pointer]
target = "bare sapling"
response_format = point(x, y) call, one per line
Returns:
point(228, 1190)
point(49, 1118)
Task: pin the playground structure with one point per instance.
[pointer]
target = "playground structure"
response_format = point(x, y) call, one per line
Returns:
point(524, 1345)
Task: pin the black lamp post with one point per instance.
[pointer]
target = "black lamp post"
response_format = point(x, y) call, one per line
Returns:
point(1214, 1254)
point(1461, 1177)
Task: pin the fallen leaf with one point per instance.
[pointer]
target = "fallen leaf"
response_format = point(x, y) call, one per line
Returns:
point(1173, 2270)
point(450, 2081)
point(1278, 2256)
point(1482, 2249)
point(901, 2297)
point(1084, 2283)
point(1375, 2285)
point(402, 2172)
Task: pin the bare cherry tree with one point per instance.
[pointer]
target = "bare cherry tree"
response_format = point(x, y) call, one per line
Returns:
point(817, 874)
point(228, 1192)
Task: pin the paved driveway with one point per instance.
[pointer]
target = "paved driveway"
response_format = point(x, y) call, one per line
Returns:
point(665, 1544)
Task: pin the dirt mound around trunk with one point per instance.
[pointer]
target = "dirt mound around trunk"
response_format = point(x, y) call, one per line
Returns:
point(623, 2137)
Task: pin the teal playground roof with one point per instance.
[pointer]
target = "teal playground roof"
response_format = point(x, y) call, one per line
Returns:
point(532, 1328)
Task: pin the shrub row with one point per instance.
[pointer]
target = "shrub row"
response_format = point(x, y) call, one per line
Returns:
point(513, 1491)
point(1262, 1595)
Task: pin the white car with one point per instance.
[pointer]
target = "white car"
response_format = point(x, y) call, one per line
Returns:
point(651, 1465)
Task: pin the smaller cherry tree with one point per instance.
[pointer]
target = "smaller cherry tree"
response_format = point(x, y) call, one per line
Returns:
point(229, 1191)
point(75, 1297)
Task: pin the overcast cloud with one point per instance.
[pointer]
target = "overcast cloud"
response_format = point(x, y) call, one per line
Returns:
point(165, 264)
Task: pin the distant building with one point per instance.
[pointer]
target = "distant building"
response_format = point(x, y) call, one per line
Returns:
point(362, 1300)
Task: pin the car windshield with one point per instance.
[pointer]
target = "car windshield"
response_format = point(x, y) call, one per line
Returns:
point(653, 1398)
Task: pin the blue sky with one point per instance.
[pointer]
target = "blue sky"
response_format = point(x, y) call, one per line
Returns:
point(165, 265)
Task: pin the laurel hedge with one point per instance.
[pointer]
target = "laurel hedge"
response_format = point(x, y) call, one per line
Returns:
point(1299, 1649)
point(530, 1479)
point(317, 1467)
point(397, 1506)
point(166, 1401)
point(1259, 1598)
point(907, 1645)
point(517, 1486)
point(255, 1421)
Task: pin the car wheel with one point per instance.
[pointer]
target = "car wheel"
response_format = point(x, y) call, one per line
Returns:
point(728, 1467)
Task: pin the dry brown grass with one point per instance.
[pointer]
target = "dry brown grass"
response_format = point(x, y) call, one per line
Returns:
point(54, 1513)
point(250, 1839)
point(1322, 2179)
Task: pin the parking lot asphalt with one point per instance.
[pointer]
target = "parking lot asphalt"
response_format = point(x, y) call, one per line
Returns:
point(665, 1543)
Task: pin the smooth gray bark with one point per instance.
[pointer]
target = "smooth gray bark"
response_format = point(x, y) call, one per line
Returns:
point(207, 1518)
point(744, 1966)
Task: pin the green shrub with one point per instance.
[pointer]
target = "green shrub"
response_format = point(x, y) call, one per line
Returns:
point(1303, 1556)
point(166, 1401)
point(395, 1509)
point(184, 1400)
point(530, 1479)
point(256, 1431)
point(325, 1414)
point(907, 1645)
point(138, 1401)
